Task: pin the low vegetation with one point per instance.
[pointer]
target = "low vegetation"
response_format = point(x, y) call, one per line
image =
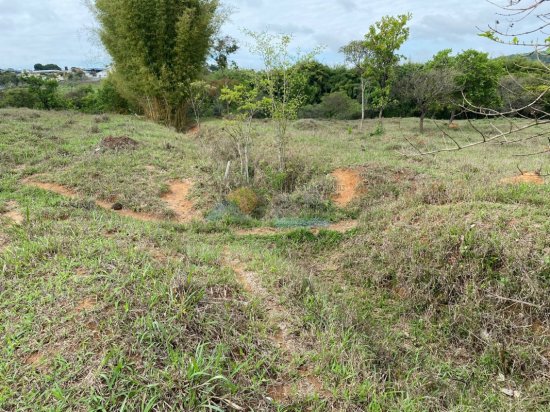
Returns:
point(435, 298)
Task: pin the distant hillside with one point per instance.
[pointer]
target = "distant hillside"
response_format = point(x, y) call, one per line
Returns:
point(543, 57)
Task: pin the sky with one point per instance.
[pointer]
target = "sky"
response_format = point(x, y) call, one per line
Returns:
point(62, 31)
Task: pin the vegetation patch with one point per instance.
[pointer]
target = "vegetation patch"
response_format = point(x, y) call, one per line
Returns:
point(118, 143)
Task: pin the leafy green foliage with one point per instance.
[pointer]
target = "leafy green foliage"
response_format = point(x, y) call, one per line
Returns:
point(383, 40)
point(159, 48)
point(336, 105)
point(478, 77)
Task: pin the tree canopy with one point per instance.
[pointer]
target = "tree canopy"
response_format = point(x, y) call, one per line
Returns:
point(159, 47)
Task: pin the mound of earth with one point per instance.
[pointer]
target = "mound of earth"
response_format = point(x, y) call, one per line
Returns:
point(306, 124)
point(348, 185)
point(117, 143)
point(527, 177)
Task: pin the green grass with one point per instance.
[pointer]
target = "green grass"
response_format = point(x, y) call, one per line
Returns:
point(437, 301)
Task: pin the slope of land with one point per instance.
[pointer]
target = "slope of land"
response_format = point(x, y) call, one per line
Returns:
point(395, 283)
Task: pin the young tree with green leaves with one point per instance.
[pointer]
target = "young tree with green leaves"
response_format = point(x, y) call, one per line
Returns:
point(383, 40)
point(159, 47)
point(358, 55)
point(199, 93)
point(282, 85)
point(246, 102)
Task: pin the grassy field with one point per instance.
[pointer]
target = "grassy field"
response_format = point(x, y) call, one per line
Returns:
point(436, 299)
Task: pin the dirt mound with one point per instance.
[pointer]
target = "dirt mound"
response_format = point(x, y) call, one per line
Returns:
point(177, 200)
point(527, 177)
point(306, 124)
point(117, 143)
point(348, 184)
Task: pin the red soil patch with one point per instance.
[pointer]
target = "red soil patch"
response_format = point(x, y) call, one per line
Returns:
point(145, 217)
point(64, 191)
point(195, 130)
point(348, 182)
point(178, 200)
point(527, 177)
point(454, 126)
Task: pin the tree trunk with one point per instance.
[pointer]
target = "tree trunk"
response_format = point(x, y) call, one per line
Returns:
point(247, 169)
point(422, 116)
point(452, 119)
point(362, 102)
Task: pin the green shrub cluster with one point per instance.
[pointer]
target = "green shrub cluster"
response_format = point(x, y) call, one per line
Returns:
point(47, 94)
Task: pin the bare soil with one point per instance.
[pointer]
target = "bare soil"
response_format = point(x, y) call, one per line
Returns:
point(51, 187)
point(527, 177)
point(348, 184)
point(85, 305)
point(178, 200)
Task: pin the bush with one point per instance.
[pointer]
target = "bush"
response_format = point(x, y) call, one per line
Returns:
point(18, 97)
point(96, 100)
point(337, 105)
point(245, 199)
point(39, 93)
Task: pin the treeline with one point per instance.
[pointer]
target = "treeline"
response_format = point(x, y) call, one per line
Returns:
point(435, 88)
point(44, 93)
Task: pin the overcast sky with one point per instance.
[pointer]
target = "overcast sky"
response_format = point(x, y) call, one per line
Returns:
point(61, 31)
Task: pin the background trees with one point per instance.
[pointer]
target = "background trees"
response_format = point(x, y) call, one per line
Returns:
point(358, 55)
point(429, 88)
point(220, 51)
point(158, 48)
point(383, 40)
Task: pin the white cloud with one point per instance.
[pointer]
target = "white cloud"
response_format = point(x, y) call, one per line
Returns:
point(59, 31)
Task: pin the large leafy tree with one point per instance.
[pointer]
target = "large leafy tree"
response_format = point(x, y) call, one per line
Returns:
point(383, 41)
point(479, 78)
point(159, 47)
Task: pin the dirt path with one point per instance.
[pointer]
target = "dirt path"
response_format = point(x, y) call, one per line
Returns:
point(341, 227)
point(283, 338)
point(348, 182)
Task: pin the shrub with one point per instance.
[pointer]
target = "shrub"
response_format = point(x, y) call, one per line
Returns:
point(245, 199)
point(18, 97)
point(337, 105)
